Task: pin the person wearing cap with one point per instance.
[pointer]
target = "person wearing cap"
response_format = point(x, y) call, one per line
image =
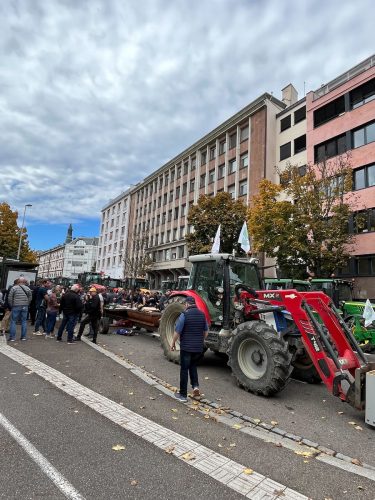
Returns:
point(70, 306)
point(191, 329)
point(93, 310)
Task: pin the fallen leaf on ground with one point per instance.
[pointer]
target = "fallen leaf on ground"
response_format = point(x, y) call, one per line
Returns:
point(188, 456)
point(257, 420)
point(207, 416)
point(175, 418)
point(151, 398)
point(352, 423)
point(142, 407)
point(169, 449)
point(195, 403)
point(304, 453)
point(360, 488)
point(133, 482)
point(232, 445)
point(306, 462)
point(206, 378)
point(174, 410)
point(355, 461)
point(340, 412)
point(13, 373)
point(27, 373)
point(118, 447)
point(35, 394)
point(220, 445)
point(131, 393)
point(279, 493)
point(236, 426)
point(76, 411)
point(278, 445)
point(273, 422)
point(358, 428)
point(248, 472)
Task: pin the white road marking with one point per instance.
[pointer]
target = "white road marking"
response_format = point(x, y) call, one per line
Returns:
point(47, 468)
point(254, 486)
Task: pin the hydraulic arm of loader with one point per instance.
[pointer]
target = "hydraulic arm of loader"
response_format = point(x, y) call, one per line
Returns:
point(332, 347)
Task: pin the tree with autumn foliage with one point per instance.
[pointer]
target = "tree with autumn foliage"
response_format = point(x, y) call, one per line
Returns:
point(10, 234)
point(207, 215)
point(303, 222)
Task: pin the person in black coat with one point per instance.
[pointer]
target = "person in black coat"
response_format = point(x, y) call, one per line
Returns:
point(70, 306)
point(93, 312)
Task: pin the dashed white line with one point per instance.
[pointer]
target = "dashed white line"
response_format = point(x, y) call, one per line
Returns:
point(47, 468)
point(217, 466)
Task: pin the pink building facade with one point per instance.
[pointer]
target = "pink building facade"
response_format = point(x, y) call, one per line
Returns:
point(340, 118)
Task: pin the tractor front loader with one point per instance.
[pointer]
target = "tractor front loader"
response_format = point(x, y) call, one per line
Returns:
point(268, 334)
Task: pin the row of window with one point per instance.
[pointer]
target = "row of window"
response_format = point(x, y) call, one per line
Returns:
point(362, 221)
point(299, 115)
point(168, 254)
point(364, 177)
point(117, 207)
point(342, 143)
point(351, 100)
point(175, 194)
point(299, 146)
point(361, 265)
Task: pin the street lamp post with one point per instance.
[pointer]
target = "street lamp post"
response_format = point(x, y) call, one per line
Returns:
point(23, 223)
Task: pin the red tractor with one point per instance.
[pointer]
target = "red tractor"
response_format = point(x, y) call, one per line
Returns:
point(269, 333)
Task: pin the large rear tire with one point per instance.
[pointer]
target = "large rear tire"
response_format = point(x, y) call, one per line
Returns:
point(304, 370)
point(167, 328)
point(259, 359)
point(104, 325)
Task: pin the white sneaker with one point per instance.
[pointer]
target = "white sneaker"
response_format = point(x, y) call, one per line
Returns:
point(39, 334)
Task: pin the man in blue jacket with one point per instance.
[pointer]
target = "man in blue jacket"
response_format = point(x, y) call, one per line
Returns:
point(191, 329)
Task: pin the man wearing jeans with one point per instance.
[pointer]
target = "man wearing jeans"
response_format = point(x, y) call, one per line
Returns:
point(19, 299)
point(191, 328)
point(71, 307)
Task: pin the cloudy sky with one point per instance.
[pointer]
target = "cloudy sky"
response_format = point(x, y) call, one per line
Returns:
point(95, 95)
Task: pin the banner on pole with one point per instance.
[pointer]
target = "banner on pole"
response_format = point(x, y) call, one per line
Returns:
point(244, 239)
point(216, 246)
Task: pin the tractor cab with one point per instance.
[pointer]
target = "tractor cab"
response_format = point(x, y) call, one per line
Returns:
point(213, 274)
point(338, 290)
point(286, 283)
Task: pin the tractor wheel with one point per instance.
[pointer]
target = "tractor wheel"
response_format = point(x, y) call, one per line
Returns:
point(260, 360)
point(104, 325)
point(166, 330)
point(304, 370)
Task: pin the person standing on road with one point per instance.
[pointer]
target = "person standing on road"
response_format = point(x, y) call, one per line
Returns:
point(191, 329)
point(19, 299)
point(71, 307)
point(93, 309)
point(41, 307)
point(52, 311)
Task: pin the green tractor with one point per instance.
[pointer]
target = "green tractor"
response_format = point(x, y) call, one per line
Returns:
point(341, 293)
point(286, 284)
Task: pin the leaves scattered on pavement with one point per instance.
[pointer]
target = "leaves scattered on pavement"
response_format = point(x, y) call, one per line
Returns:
point(118, 447)
point(188, 456)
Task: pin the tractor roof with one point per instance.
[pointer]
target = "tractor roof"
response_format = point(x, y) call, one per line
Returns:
point(286, 280)
point(217, 256)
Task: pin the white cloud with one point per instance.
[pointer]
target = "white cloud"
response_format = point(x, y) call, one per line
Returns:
point(96, 95)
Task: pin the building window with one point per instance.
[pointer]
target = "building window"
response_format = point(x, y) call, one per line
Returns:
point(232, 166)
point(183, 210)
point(222, 147)
point(170, 215)
point(181, 252)
point(299, 115)
point(213, 153)
point(232, 190)
point(232, 141)
point(211, 176)
point(170, 196)
point(244, 133)
point(328, 149)
point(184, 189)
point(365, 265)
point(329, 111)
point(177, 192)
point(364, 221)
point(285, 123)
point(285, 151)
point(203, 157)
point(193, 163)
point(159, 202)
point(364, 177)
point(362, 94)
point(242, 188)
point(244, 161)
point(202, 182)
point(192, 185)
point(300, 144)
point(221, 171)
point(364, 135)
point(186, 167)
point(179, 172)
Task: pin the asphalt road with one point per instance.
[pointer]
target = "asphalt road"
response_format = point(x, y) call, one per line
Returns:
point(78, 441)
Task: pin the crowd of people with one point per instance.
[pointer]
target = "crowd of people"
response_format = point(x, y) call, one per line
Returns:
point(43, 303)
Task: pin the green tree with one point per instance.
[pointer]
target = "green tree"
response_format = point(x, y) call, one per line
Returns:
point(207, 215)
point(10, 234)
point(303, 222)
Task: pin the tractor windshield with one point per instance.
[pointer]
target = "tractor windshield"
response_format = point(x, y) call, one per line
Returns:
point(345, 292)
point(245, 273)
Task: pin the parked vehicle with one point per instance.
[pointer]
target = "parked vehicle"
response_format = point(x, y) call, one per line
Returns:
point(183, 282)
point(286, 283)
point(267, 333)
point(12, 269)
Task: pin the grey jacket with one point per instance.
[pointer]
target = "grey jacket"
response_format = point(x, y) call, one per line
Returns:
point(19, 295)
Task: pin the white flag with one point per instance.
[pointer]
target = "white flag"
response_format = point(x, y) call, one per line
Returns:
point(216, 246)
point(244, 239)
point(368, 313)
